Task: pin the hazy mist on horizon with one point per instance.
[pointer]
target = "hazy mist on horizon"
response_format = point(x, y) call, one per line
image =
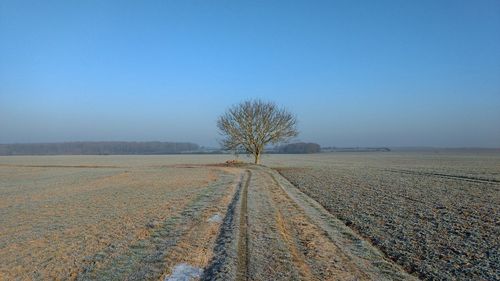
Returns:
point(374, 73)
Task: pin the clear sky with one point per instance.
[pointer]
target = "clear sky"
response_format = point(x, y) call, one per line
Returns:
point(356, 73)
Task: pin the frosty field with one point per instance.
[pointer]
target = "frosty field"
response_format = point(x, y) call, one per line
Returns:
point(437, 215)
point(338, 216)
point(63, 217)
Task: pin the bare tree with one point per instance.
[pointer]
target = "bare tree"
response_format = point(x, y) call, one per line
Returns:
point(252, 124)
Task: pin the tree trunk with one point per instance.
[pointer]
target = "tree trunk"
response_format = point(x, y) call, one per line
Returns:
point(257, 158)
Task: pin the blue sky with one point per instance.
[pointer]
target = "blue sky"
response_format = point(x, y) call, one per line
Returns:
point(356, 73)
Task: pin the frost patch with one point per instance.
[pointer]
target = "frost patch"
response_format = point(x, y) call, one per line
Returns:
point(184, 272)
point(215, 218)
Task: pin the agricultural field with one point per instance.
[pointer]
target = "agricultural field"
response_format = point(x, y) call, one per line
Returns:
point(435, 214)
point(105, 218)
point(337, 216)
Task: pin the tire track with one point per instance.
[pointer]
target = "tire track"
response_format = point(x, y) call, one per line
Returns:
point(242, 269)
point(226, 259)
point(445, 176)
point(354, 255)
point(272, 256)
point(272, 231)
point(314, 253)
point(145, 259)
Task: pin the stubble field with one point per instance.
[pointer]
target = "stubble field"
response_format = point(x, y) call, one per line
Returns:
point(104, 217)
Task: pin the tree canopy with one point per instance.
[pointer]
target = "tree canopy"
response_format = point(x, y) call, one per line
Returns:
point(253, 124)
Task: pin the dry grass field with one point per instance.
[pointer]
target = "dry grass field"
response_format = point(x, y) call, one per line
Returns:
point(89, 217)
point(354, 216)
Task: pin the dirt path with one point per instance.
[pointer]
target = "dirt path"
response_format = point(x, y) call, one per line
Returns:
point(272, 231)
point(242, 271)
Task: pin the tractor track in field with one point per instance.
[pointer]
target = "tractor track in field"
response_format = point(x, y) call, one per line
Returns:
point(242, 271)
point(475, 179)
point(273, 231)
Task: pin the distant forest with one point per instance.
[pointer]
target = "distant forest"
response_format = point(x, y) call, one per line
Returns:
point(356, 149)
point(299, 147)
point(97, 148)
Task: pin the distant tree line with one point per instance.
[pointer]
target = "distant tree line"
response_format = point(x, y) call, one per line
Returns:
point(299, 147)
point(97, 148)
point(355, 149)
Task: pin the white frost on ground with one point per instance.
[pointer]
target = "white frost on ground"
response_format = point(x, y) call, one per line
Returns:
point(215, 218)
point(184, 272)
